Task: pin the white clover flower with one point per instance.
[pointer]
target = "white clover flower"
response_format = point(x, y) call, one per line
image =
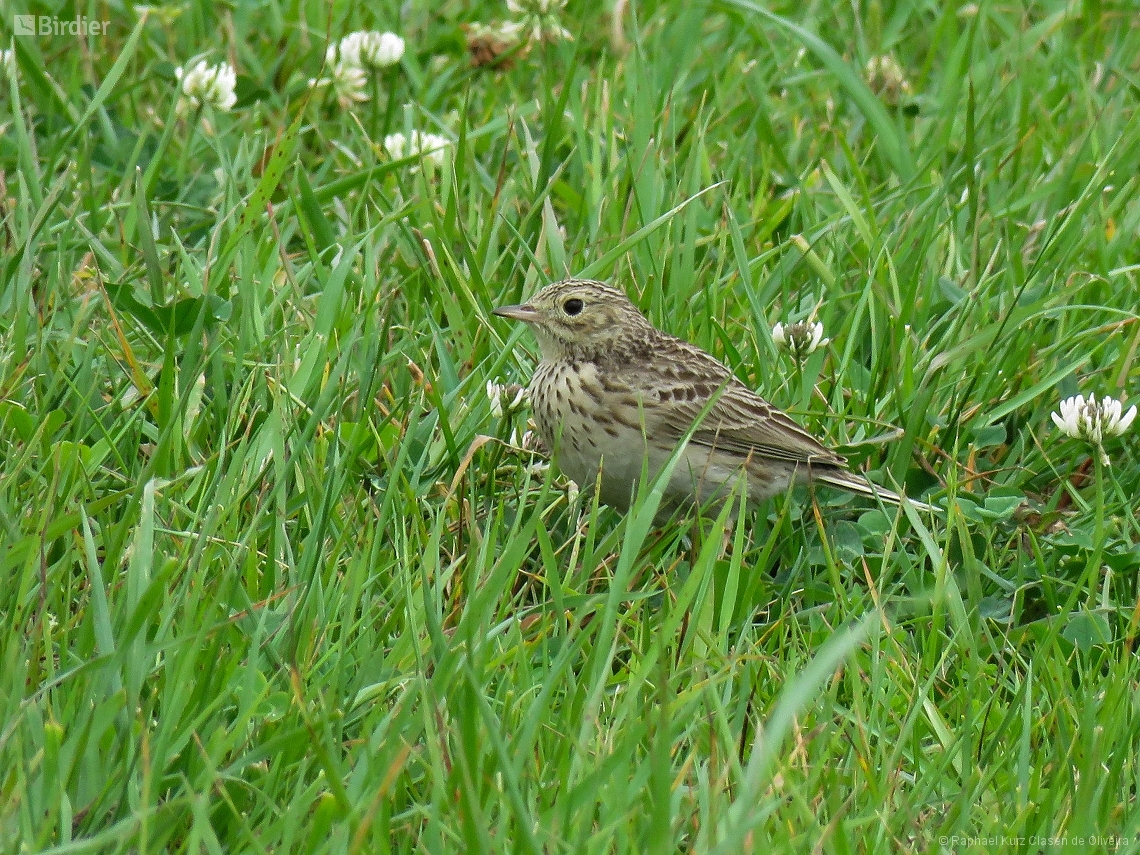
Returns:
point(346, 51)
point(396, 145)
point(8, 63)
point(432, 147)
point(380, 50)
point(1091, 421)
point(349, 82)
point(800, 339)
point(366, 49)
point(498, 393)
point(346, 75)
point(540, 19)
point(207, 86)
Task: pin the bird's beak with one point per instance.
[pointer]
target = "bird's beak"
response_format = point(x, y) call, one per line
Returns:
point(525, 312)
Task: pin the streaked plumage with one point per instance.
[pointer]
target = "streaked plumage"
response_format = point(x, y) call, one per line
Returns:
point(613, 392)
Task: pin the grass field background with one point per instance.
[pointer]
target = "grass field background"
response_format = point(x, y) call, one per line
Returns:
point(274, 578)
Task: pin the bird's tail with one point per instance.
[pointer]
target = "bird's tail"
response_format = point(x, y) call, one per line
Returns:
point(845, 479)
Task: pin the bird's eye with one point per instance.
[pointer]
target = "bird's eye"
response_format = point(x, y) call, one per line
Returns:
point(573, 306)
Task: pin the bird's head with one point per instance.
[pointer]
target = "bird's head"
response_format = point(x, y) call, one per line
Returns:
point(580, 318)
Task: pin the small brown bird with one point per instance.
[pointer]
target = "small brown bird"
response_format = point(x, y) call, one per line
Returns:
point(613, 393)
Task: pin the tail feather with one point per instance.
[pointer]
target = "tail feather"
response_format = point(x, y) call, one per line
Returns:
point(845, 479)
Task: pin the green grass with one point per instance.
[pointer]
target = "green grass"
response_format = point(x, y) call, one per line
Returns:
point(266, 585)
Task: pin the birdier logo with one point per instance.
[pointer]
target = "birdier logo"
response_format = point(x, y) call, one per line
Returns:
point(49, 25)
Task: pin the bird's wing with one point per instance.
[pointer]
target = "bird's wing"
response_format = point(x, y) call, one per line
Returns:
point(739, 421)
